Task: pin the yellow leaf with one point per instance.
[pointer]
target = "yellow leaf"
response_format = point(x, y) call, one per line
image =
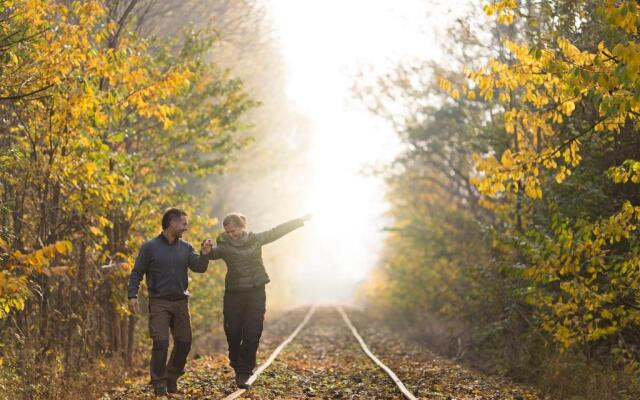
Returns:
point(61, 247)
point(568, 107)
point(507, 159)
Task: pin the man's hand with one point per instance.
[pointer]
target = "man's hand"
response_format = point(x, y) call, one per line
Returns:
point(206, 246)
point(133, 306)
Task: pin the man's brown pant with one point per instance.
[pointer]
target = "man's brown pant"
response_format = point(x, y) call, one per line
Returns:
point(164, 316)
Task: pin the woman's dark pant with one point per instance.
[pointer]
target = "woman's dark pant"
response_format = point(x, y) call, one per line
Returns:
point(243, 319)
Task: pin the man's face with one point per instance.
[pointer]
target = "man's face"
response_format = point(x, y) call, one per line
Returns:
point(234, 231)
point(179, 225)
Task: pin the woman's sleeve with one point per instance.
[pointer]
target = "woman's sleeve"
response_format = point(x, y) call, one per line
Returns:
point(215, 253)
point(279, 231)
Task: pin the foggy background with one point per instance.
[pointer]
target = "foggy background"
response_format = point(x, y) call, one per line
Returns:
point(314, 146)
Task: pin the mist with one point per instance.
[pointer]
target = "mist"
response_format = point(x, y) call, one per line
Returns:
point(315, 145)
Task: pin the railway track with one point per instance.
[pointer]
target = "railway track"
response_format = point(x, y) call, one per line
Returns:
point(273, 355)
point(394, 378)
point(335, 353)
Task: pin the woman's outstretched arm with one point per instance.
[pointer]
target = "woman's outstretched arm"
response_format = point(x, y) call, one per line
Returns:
point(281, 230)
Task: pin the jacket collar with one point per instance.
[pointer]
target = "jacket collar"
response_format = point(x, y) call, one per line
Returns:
point(166, 241)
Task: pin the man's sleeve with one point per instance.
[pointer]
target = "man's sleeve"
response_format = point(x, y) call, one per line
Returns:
point(198, 262)
point(139, 269)
point(279, 231)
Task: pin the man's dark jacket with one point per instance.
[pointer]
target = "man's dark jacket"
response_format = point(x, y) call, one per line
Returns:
point(165, 266)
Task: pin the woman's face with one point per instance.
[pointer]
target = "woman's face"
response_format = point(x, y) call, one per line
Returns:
point(234, 231)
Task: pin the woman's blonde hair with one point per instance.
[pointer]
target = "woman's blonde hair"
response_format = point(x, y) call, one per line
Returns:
point(235, 218)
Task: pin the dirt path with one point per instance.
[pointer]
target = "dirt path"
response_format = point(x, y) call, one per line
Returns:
point(211, 377)
point(427, 375)
point(326, 362)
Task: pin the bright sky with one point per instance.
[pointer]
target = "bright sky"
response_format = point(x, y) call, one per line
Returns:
point(325, 42)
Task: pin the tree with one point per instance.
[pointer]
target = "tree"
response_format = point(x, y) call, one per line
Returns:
point(104, 129)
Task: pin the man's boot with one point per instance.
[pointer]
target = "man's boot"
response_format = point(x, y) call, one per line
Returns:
point(160, 390)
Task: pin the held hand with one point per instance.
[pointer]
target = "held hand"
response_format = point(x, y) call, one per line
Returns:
point(206, 246)
point(133, 306)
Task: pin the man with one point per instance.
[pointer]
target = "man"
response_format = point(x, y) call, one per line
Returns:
point(165, 259)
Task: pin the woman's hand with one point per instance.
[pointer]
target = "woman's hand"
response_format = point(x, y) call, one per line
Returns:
point(206, 246)
point(306, 217)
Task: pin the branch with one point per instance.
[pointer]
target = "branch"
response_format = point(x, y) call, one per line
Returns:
point(114, 40)
point(20, 96)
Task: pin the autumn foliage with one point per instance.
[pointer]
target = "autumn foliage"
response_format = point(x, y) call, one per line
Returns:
point(102, 129)
point(517, 203)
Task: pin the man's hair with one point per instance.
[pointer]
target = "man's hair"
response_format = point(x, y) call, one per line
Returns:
point(236, 219)
point(170, 214)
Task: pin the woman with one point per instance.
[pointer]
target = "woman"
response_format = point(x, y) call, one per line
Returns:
point(244, 295)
